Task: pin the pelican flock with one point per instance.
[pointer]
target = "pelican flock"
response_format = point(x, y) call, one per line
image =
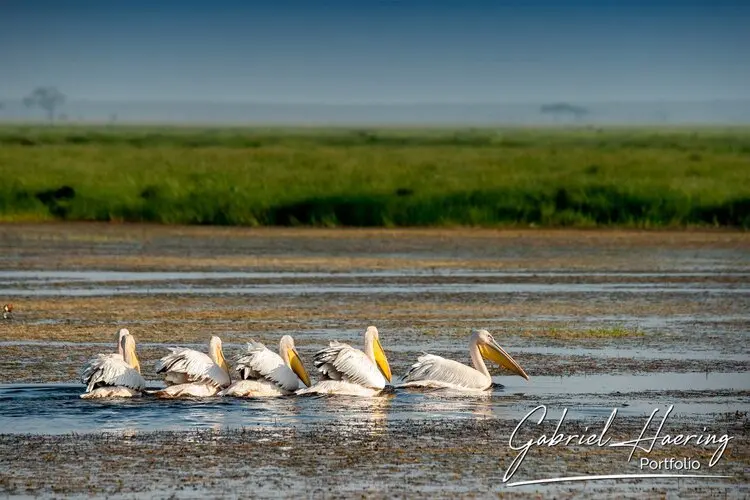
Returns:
point(260, 372)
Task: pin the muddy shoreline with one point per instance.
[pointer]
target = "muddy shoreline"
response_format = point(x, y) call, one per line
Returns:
point(338, 460)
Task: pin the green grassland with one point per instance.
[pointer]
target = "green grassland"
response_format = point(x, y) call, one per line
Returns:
point(582, 177)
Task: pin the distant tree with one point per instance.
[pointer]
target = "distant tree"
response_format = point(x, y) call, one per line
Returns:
point(47, 98)
point(562, 109)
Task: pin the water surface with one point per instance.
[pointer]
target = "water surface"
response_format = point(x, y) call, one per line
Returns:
point(57, 408)
point(404, 281)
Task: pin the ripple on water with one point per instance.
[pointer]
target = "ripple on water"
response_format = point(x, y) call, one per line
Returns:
point(57, 408)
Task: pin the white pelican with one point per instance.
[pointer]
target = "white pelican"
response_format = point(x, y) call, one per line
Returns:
point(114, 375)
point(103, 360)
point(265, 373)
point(349, 371)
point(190, 373)
point(440, 373)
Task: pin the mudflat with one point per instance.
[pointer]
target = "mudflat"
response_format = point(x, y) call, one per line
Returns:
point(600, 319)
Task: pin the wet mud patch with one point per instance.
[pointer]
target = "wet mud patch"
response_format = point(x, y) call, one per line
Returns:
point(344, 459)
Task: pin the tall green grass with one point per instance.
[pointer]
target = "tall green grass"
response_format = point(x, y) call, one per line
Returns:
point(377, 177)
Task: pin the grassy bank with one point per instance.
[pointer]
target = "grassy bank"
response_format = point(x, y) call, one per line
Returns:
point(384, 177)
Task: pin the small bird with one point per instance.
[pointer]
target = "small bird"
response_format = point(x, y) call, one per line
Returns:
point(8, 311)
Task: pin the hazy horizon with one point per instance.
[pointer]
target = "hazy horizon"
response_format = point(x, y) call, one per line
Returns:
point(376, 53)
point(498, 102)
point(482, 114)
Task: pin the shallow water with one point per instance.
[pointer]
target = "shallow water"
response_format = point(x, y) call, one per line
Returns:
point(452, 288)
point(104, 276)
point(57, 408)
point(405, 281)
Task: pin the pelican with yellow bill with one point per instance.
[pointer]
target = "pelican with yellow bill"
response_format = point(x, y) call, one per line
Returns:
point(114, 375)
point(263, 373)
point(192, 374)
point(436, 372)
point(349, 371)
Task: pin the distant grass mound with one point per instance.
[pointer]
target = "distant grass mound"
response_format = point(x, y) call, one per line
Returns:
point(379, 177)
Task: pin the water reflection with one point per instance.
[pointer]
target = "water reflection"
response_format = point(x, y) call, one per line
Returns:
point(267, 412)
point(57, 408)
point(442, 403)
point(355, 415)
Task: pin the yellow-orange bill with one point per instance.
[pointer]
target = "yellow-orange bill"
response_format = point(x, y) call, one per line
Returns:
point(498, 355)
point(382, 361)
point(297, 367)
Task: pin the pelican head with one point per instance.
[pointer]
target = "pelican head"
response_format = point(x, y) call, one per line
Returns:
point(489, 349)
point(290, 356)
point(127, 344)
point(375, 351)
point(216, 353)
point(121, 333)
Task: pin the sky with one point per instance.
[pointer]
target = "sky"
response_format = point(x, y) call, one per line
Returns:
point(362, 51)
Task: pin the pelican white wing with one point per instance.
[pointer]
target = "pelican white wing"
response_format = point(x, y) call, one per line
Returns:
point(111, 370)
point(190, 366)
point(438, 372)
point(341, 361)
point(262, 363)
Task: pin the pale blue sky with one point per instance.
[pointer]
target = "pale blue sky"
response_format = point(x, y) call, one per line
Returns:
point(370, 52)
